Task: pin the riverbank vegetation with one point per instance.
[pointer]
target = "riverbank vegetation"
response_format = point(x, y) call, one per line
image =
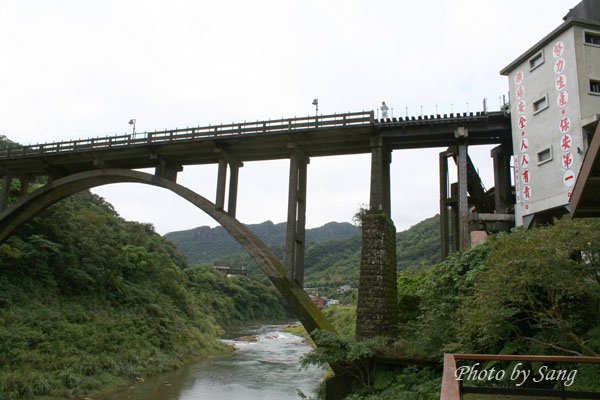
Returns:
point(528, 292)
point(89, 300)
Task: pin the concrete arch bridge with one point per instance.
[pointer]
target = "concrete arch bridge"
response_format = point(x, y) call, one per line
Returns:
point(73, 166)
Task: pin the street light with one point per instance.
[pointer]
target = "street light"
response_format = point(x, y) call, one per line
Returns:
point(316, 104)
point(132, 122)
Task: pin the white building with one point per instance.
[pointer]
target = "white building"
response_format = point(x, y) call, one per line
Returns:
point(555, 107)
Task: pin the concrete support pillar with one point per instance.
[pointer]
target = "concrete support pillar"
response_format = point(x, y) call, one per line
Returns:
point(56, 173)
point(221, 182)
point(4, 196)
point(387, 192)
point(167, 170)
point(227, 161)
point(377, 308)
point(462, 157)
point(444, 228)
point(290, 236)
point(301, 223)
point(454, 219)
point(296, 219)
point(233, 188)
point(503, 190)
point(463, 206)
point(380, 199)
point(24, 180)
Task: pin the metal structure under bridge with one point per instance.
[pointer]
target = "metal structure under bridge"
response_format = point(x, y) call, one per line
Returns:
point(73, 166)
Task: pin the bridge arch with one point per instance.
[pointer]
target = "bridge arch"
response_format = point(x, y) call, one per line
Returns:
point(33, 203)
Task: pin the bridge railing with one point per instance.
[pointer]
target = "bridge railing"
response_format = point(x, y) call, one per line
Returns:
point(275, 126)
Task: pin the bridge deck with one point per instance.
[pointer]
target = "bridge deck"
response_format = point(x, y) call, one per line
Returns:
point(325, 135)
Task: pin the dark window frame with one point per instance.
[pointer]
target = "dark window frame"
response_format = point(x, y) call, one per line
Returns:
point(536, 60)
point(594, 87)
point(541, 155)
point(540, 104)
point(591, 38)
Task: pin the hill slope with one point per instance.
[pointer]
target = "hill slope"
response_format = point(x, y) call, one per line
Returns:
point(336, 262)
point(204, 244)
point(88, 299)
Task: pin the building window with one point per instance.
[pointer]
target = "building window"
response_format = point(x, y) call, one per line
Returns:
point(536, 60)
point(540, 104)
point(543, 156)
point(592, 38)
point(594, 87)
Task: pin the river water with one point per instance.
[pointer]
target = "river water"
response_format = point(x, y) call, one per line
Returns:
point(265, 369)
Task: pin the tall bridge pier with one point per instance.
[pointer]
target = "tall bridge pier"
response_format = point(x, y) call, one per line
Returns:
point(377, 308)
point(296, 216)
point(464, 208)
point(227, 161)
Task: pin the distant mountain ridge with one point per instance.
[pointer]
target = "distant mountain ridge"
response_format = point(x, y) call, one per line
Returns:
point(203, 245)
point(329, 262)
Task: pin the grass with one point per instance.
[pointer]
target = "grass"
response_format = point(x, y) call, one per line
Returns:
point(61, 350)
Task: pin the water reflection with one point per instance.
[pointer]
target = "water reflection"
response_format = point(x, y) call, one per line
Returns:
point(266, 366)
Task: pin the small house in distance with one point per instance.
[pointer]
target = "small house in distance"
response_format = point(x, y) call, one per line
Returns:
point(344, 288)
point(555, 108)
point(319, 301)
point(228, 271)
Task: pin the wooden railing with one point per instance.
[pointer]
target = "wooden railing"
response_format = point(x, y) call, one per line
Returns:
point(452, 388)
point(364, 118)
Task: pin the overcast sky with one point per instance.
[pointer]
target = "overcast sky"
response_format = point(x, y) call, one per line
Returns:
point(75, 69)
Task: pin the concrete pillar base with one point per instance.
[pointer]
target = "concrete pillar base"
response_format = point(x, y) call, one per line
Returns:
point(377, 309)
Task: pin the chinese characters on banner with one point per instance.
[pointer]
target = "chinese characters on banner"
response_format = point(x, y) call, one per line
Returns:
point(522, 171)
point(564, 124)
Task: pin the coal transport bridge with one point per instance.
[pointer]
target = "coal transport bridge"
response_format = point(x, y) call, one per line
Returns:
point(77, 165)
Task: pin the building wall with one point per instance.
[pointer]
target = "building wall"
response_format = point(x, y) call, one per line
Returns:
point(546, 184)
point(588, 67)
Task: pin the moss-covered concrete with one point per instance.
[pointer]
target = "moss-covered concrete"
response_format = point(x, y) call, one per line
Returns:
point(377, 309)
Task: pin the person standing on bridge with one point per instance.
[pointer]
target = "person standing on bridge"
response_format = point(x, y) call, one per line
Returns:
point(384, 110)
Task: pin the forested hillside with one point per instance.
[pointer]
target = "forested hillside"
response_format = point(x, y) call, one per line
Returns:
point(533, 292)
point(336, 262)
point(89, 300)
point(204, 244)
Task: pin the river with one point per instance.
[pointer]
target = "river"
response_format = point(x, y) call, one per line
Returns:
point(265, 369)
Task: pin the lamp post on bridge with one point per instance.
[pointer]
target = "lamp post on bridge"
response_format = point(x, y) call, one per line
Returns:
point(316, 104)
point(132, 122)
